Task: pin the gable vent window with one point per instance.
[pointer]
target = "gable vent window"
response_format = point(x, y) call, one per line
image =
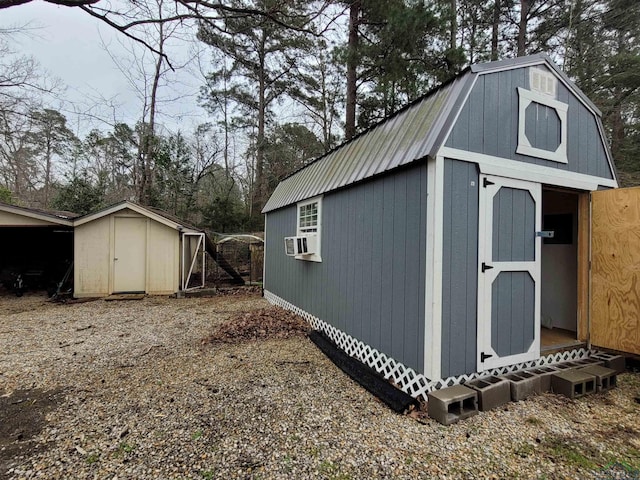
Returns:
point(543, 82)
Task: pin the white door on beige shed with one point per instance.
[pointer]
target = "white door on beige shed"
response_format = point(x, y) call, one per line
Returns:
point(130, 258)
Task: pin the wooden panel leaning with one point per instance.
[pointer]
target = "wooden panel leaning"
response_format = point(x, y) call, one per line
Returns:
point(615, 269)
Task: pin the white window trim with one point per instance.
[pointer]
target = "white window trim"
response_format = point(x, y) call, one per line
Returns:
point(526, 97)
point(316, 257)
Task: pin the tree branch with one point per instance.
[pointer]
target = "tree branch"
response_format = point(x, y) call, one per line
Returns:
point(124, 31)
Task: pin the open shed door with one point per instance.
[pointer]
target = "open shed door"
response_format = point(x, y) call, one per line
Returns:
point(615, 269)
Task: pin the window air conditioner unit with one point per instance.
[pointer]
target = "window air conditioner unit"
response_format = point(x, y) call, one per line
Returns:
point(304, 245)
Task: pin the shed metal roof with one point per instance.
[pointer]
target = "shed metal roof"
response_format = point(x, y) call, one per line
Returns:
point(405, 137)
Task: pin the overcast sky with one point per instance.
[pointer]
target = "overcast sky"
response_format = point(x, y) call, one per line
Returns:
point(69, 45)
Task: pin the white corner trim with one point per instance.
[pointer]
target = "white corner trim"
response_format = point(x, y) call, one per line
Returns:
point(505, 167)
point(433, 272)
point(525, 98)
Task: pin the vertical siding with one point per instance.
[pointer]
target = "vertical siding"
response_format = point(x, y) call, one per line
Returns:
point(459, 268)
point(371, 281)
point(92, 258)
point(488, 124)
point(162, 261)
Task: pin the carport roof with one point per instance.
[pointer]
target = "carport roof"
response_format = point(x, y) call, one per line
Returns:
point(54, 216)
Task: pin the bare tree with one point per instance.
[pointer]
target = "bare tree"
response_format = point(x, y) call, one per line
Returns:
point(125, 16)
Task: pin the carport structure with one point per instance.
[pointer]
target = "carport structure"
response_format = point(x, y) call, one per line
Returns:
point(36, 244)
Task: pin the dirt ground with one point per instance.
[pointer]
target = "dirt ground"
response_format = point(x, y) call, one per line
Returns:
point(228, 387)
point(22, 417)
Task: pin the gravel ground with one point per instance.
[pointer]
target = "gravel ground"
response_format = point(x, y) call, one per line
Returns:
point(128, 390)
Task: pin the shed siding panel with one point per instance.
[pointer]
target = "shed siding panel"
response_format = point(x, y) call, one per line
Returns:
point(492, 110)
point(505, 131)
point(476, 125)
point(459, 268)
point(371, 280)
point(162, 260)
point(92, 258)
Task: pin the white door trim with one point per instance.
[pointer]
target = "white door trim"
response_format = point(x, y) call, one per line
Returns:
point(491, 165)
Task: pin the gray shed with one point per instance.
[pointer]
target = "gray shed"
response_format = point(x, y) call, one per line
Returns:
point(440, 242)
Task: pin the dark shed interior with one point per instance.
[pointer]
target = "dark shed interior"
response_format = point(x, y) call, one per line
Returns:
point(39, 256)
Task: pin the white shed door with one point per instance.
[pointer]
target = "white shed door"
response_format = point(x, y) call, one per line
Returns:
point(130, 255)
point(508, 272)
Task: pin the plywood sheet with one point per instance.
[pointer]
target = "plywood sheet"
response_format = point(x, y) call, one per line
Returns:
point(615, 269)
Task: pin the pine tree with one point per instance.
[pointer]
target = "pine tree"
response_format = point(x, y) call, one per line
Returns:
point(263, 55)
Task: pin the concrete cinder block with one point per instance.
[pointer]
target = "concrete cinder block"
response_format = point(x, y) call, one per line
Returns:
point(523, 384)
point(545, 377)
point(585, 362)
point(611, 360)
point(564, 366)
point(452, 404)
point(606, 378)
point(492, 392)
point(574, 383)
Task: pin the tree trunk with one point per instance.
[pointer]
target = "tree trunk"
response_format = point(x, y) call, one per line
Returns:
point(352, 63)
point(454, 24)
point(150, 143)
point(259, 184)
point(522, 27)
point(495, 27)
point(47, 172)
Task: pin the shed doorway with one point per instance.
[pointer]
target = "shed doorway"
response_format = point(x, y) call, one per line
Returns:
point(559, 258)
point(130, 258)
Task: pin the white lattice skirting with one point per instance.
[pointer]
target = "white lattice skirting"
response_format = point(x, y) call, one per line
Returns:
point(407, 379)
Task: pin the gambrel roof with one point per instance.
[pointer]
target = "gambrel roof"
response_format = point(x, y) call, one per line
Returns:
point(414, 133)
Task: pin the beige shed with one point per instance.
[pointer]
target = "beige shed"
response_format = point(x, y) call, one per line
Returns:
point(128, 248)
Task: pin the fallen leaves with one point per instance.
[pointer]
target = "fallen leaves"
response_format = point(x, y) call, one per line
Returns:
point(272, 322)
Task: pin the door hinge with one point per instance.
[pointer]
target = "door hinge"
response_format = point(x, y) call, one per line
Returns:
point(486, 267)
point(484, 356)
point(486, 182)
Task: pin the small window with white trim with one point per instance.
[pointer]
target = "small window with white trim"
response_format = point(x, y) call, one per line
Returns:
point(310, 225)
